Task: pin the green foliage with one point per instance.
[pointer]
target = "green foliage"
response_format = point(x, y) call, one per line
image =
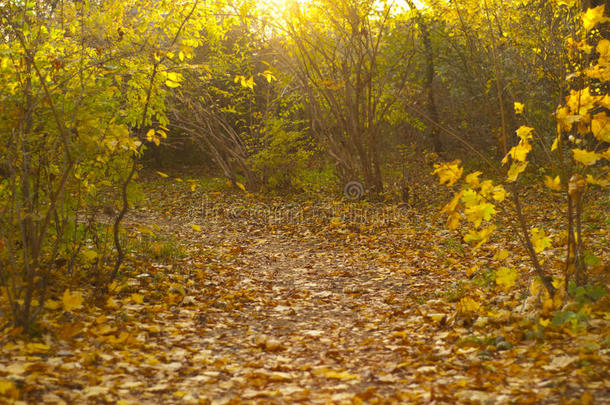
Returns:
point(163, 248)
point(456, 291)
point(283, 158)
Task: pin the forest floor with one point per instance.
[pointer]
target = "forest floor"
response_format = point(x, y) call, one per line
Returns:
point(234, 299)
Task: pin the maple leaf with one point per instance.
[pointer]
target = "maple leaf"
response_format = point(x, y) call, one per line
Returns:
point(506, 277)
point(515, 170)
point(600, 127)
point(448, 172)
point(72, 300)
point(476, 214)
point(594, 16)
point(137, 298)
point(580, 102)
point(468, 305)
point(473, 179)
point(520, 151)
point(499, 193)
point(479, 237)
point(452, 205)
point(586, 157)
point(518, 108)
point(540, 240)
point(525, 132)
point(552, 183)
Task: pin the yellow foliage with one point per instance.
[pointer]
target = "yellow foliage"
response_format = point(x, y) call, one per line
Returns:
point(552, 183)
point(594, 16)
point(586, 157)
point(467, 306)
point(515, 170)
point(448, 172)
point(473, 179)
point(506, 277)
point(540, 240)
point(519, 108)
point(525, 133)
point(479, 237)
point(600, 127)
point(499, 193)
point(452, 205)
point(72, 300)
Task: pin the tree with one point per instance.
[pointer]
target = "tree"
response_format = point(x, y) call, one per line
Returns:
point(81, 85)
point(351, 78)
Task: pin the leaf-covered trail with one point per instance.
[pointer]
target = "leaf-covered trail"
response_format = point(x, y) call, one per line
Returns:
point(320, 310)
point(285, 318)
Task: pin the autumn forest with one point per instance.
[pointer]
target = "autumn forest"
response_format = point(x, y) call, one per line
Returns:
point(294, 201)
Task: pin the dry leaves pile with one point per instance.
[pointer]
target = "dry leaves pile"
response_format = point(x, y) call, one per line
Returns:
point(335, 302)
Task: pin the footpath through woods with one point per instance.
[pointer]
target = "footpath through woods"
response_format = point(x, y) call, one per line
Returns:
point(236, 300)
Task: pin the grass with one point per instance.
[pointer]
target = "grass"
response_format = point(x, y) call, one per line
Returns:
point(159, 247)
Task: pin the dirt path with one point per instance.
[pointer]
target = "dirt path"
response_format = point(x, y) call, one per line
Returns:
point(283, 317)
point(324, 311)
point(287, 318)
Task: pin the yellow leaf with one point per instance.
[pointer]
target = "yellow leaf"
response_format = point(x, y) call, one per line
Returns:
point(565, 119)
point(536, 287)
point(181, 56)
point(586, 157)
point(479, 237)
point(544, 322)
point(553, 184)
point(72, 300)
point(162, 174)
point(32, 348)
point(518, 108)
point(193, 187)
point(453, 220)
point(150, 134)
point(603, 182)
point(524, 132)
point(452, 205)
point(241, 186)
point(477, 213)
point(468, 305)
point(540, 240)
point(448, 172)
point(556, 142)
point(8, 389)
point(594, 16)
point(173, 79)
point(137, 298)
point(520, 151)
point(471, 270)
point(515, 170)
point(600, 127)
point(506, 277)
point(473, 179)
point(52, 304)
point(196, 227)
point(579, 102)
point(111, 303)
point(499, 193)
point(341, 375)
point(501, 254)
